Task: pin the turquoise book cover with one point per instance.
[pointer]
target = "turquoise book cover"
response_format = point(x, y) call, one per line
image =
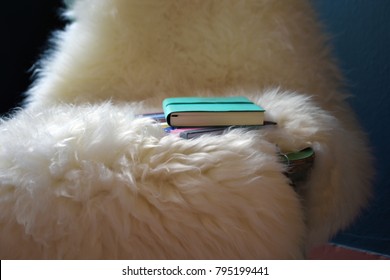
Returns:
point(212, 111)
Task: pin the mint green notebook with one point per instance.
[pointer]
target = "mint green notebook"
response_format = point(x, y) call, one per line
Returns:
point(212, 111)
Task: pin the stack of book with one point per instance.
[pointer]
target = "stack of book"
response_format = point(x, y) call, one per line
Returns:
point(190, 117)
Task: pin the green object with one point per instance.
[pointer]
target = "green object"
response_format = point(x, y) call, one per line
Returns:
point(300, 155)
point(299, 164)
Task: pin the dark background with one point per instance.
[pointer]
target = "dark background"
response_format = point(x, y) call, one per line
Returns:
point(360, 34)
point(26, 27)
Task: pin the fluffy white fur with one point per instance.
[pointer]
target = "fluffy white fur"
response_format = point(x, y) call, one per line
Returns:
point(82, 177)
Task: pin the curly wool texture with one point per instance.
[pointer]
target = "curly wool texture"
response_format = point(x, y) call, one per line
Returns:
point(111, 186)
point(81, 177)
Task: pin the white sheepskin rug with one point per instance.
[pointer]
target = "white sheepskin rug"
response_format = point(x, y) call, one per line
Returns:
point(82, 176)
